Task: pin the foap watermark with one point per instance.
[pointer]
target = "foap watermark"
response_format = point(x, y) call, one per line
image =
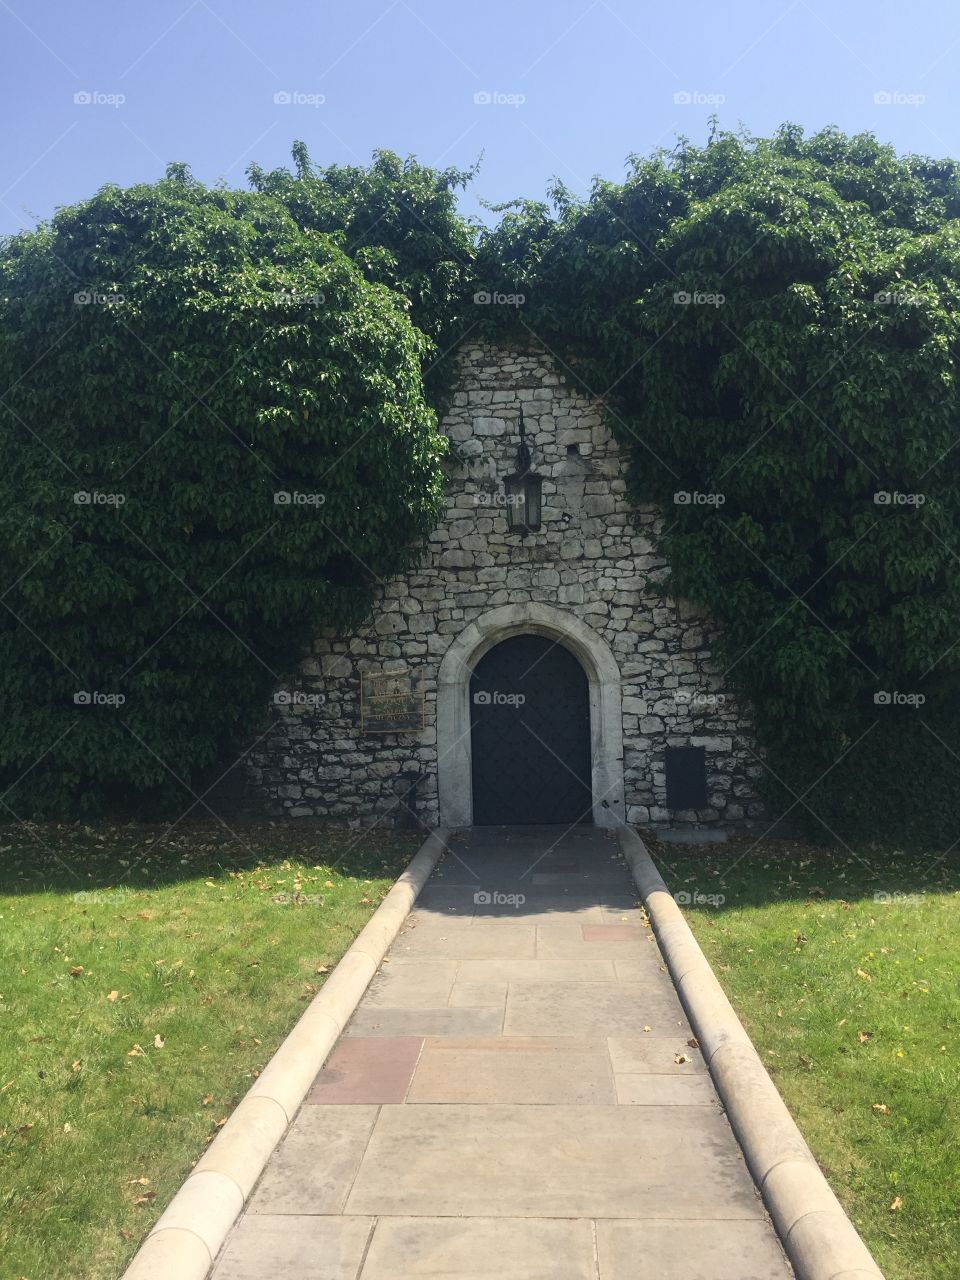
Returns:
point(493, 898)
point(898, 98)
point(894, 498)
point(896, 698)
point(290, 298)
point(496, 698)
point(298, 698)
point(97, 98)
point(297, 98)
point(498, 499)
point(92, 298)
point(497, 98)
point(898, 298)
point(483, 298)
point(685, 498)
point(94, 498)
point(293, 498)
point(697, 898)
point(102, 897)
point(698, 298)
point(697, 98)
point(697, 698)
point(84, 698)
point(899, 897)
point(297, 900)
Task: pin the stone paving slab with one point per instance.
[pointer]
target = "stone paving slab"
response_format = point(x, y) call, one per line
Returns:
point(593, 968)
point(591, 1008)
point(474, 995)
point(456, 938)
point(550, 1161)
point(685, 1250)
point(402, 985)
point(296, 1248)
point(296, 1177)
point(644, 1089)
point(655, 1053)
point(500, 1069)
point(480, 1249)
point(368, 1069)
point(565, 938)
point(485, 1021)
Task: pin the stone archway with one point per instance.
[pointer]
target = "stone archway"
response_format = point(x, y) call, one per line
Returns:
point(454, 754)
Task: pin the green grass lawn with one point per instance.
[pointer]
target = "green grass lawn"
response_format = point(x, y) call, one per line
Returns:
point(146, 978)
point(844, 966)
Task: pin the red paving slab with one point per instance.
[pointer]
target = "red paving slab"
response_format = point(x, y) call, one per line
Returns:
point(609, 932)
point(368, 1069)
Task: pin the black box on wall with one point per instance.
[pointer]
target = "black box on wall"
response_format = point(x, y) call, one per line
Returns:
point(686, 769)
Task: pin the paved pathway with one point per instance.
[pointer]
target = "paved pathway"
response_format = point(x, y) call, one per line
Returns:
point(507, 1103)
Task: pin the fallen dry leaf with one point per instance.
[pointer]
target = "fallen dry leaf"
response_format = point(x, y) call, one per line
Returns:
point(882, 1108)
point(680, 1059)
point(135, 1052)
point(76, 1064)
point(138, 1182)
point(862, 974)
point(113, 995)
point(76, 970)
point(158, 1042)
point(864, 1036)
point(895, 1204)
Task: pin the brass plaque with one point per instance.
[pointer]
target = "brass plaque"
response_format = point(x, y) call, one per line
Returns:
point(391, 701)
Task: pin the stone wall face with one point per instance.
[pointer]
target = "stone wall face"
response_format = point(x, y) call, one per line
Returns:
point(594, 557)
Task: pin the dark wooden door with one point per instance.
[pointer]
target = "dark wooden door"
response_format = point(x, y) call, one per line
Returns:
point(530, 726)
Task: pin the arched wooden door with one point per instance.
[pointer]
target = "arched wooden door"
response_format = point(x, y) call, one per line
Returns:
point(530, 735)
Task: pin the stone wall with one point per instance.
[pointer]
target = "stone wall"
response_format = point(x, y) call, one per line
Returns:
point(594, 557)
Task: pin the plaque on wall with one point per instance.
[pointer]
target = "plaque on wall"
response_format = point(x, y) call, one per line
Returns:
point(391, 701)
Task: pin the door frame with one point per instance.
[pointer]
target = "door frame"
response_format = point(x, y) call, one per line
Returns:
point(454, 747)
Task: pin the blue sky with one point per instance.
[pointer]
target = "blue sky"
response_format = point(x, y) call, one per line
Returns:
point(567, 88)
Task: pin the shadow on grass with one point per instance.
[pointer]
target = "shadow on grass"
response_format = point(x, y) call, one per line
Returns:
point(744, 873)
point(89, 857)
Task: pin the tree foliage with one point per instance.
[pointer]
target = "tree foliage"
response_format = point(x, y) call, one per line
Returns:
point(213, 439)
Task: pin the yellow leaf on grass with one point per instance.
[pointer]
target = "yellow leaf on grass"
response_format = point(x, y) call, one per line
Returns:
point(138, 1182)
point(135, 1052)
point(113, 995)
point(76, 1064)
point(158, 1042)
point(895, 1204)
point(862, 974)
point(882, 1108)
